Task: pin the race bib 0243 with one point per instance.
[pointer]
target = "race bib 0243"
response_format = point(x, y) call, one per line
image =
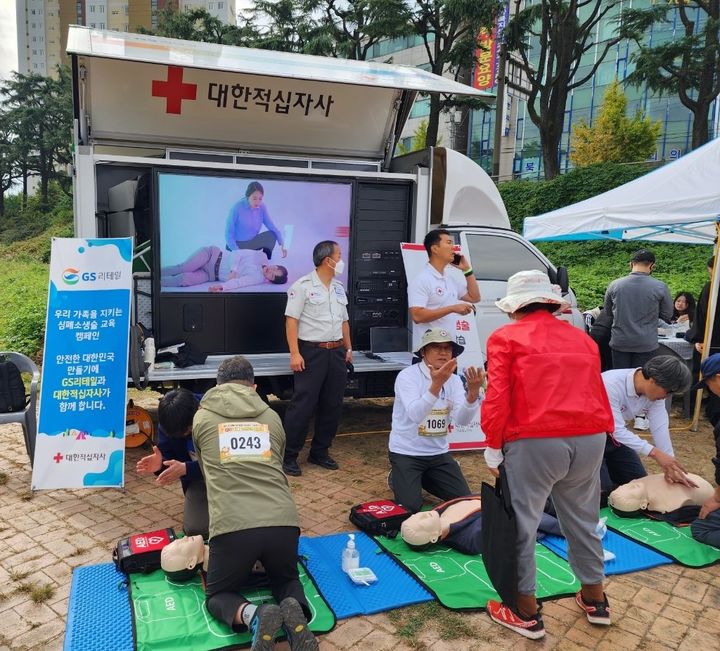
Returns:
point(244, 442)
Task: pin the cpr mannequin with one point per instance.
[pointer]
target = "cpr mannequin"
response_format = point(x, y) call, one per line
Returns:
point(182, 558)
point(428, 527)
point(457, 524)
point(654, 493)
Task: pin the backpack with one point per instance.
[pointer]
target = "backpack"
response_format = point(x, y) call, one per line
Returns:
point(380, 517)
point(12, 388)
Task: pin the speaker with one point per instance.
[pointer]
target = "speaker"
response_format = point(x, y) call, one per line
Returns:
point(192, 317)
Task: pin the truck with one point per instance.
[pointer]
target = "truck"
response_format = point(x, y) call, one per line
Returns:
point(168, 137)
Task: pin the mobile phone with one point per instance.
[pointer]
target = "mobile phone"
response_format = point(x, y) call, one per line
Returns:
point(456, 259)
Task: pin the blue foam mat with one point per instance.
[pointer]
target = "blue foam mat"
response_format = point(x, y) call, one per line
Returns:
point(629, 555)
point(394, 588)
point(99, 615)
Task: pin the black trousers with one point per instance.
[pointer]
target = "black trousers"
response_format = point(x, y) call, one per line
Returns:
point(439, 475)
point(232, 556)
point(625, 359)
point(320, 389)
point(620, 465)
point(264, 242)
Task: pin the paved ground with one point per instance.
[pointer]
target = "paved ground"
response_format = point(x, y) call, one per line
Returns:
point(45, 535)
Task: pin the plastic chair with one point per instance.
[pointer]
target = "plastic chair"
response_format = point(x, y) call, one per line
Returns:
point(28, 417)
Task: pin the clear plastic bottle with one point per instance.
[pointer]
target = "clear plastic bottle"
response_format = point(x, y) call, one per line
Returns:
point(350, 555)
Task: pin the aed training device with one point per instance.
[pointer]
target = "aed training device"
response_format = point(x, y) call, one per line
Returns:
point(141, 552)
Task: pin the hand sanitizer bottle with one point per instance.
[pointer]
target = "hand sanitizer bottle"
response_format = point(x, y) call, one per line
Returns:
point(350, 555)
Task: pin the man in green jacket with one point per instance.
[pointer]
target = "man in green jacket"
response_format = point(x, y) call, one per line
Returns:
point(240, 443)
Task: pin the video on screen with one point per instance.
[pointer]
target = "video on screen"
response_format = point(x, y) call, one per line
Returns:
point(253, 235)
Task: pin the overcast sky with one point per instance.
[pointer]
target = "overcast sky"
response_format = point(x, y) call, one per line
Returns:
point(8, 38)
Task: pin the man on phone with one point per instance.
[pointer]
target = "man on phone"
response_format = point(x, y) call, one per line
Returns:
point(445, 289)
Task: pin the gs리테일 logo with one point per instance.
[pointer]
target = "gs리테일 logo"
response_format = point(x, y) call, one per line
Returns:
point(71, 276)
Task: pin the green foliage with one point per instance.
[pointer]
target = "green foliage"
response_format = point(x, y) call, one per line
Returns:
point(614, 137)
point(419, 141)
point(527, 198)
point(198, 25)
point(592, 265)
point(25, 222)
point(688, 65)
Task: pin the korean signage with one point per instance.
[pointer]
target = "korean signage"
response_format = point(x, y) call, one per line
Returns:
point(465, 332)
point(177, 104)
point(486, 55)
point(81, 427)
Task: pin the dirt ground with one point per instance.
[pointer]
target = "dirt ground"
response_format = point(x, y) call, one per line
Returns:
point(47, 534)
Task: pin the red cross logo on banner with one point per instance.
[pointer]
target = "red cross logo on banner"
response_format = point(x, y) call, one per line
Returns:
point(174, 90)
point(58, 458)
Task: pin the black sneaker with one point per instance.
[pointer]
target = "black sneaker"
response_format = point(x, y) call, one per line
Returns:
point(300, 637)
point(326, 462)
point(266, 622)
point(291, 468)
point(597, 612)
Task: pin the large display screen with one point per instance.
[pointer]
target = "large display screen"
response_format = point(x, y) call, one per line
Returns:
point(224, 234)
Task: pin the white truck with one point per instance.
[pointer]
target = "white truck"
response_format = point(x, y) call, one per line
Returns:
point(170, 135)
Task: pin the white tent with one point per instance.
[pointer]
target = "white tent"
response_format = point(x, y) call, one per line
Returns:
point(679, 202)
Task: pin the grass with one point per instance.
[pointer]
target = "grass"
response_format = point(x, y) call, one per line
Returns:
point(41, 593)
point(411, 622)
point(18, 576)
point(3, 478)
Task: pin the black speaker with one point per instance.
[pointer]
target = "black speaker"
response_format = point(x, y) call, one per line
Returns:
point(192, 317)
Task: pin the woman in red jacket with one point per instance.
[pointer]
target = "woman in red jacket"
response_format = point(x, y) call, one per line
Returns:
point(545, 416)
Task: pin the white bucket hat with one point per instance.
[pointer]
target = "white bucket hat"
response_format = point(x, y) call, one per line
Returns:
point(526, 287)
point(439, 336)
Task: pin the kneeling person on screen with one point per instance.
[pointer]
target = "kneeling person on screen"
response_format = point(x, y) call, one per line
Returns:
point(429, 398)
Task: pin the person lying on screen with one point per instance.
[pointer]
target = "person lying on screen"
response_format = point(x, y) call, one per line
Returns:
point(233, 269)
point(246, 218)
point(655, 493)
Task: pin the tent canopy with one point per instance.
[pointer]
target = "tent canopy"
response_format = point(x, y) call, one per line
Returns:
point(679, 202)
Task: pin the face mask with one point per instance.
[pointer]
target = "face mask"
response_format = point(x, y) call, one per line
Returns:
point(339, 267)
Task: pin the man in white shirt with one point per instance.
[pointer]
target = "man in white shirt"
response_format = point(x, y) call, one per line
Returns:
point(637, 391)
point(429, 397)
point(445, 289)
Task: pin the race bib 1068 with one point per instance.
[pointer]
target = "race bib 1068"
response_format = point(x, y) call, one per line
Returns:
point(244, 442)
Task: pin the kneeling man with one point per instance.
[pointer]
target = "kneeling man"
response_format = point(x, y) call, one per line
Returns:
point(429, 397)
point(240, 442)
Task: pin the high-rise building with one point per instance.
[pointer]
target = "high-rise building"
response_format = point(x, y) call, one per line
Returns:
point(42, 25)
point(520, 153)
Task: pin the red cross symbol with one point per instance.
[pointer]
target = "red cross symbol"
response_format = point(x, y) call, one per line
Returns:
point(58, 458)
point(450, 428)
point(174, 90)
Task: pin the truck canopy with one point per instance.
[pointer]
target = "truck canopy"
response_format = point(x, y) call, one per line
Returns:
point(147, 89)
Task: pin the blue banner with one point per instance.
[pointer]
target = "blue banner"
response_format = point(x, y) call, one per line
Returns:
point(81, 426)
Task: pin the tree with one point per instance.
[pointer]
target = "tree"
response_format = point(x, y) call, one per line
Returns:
point(284, 25)
point(614, 137)
point(349, 28)
point(449, 30)
point(198, 25)
point(419, 140)
point(688, 65)
point(9, 172)
point(551, 38)
point(38, 113)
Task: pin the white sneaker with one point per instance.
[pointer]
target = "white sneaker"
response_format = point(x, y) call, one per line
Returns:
point(642, 423)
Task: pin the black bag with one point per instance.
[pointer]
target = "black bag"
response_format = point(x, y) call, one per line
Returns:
point(12, 389)
point(381, 517)
point(141, 552)
point(499, 539)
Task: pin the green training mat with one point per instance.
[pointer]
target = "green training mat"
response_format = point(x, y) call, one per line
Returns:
point(460, 582)
point(172, 615)
point(675, 542)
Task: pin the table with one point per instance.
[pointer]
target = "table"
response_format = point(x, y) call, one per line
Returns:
point(684, 350)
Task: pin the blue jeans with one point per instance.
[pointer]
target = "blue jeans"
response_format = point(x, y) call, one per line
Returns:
point(708, 530)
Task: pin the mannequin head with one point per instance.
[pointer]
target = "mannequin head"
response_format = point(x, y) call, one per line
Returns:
point(421, 529)
point(181, 559)
point(654, 493)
